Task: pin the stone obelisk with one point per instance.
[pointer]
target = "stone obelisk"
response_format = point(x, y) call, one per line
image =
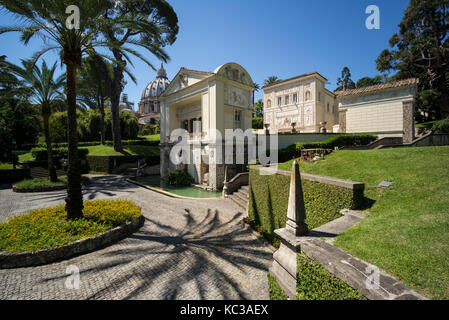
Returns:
point(285, 264)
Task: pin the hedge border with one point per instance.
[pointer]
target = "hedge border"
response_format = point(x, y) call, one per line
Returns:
point(44, 189)
point(325, 197)
point(9, 260)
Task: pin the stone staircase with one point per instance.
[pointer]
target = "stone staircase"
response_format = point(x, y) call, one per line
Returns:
point(241, 197)
point(39, 172)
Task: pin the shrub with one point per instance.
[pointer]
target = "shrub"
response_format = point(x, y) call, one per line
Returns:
point(178, 178)
point(49, 228)
point(89, 126)
point(314, 282)
point(108, 163)
point(441, 126)
point(41, 184)
point(258, 123)
point(274, 290)
point(343, 140)
point(268, 202)
point(40, 154)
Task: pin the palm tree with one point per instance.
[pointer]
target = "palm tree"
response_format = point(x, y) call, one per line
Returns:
point(45, 92)
point(10, 86)
point(148, 25)
point(48, 20)
point(271, 80)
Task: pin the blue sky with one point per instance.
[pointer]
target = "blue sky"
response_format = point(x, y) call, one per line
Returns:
point(285, 38)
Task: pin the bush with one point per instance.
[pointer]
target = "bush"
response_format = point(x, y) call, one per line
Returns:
point(178, 178)
point(343, 140)
point(274, 290)
point(40, 154)
point(49, 228)
point(258, 123)
point(314, 282)
point(89, 126)
point(44, 184)
point(441, 126)
point(268, 203)
point(11, 175)
point(108, 163)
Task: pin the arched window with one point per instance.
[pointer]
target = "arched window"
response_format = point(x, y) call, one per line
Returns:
point(307, 95)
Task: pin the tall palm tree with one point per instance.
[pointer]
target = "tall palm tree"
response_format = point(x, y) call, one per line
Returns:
point(148, 25)
point(271, 80)
point(48, 20)
point(46, 91)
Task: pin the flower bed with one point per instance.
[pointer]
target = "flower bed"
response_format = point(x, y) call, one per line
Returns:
point(48, 228)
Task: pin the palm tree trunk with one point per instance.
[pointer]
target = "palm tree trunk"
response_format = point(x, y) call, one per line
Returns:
point(74, 200)
point(115, 110)
point(115, 101)
point(51, 167)
point(101, 108)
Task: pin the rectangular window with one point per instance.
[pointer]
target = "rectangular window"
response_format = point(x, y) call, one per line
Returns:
point(237, 119)
point(328, 108)
point(319, 96)
point(279, 101)
point(287, 99)
point(295, 98)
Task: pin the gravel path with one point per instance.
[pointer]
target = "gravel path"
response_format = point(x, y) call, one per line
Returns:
point(187, 249)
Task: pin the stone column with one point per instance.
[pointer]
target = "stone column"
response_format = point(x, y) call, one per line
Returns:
point(284, 266)
point(408, 121)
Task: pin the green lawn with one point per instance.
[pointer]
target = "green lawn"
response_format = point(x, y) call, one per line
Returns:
point(128, 150)
point(109, 151)
point(154, 137)
point(6, 166)
point(407, 234)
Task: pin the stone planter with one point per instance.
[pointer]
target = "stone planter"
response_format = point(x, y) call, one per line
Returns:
point(10, 260)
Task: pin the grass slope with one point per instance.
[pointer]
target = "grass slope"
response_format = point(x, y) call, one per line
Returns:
point(407, 234)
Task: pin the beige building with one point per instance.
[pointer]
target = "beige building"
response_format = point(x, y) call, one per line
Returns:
point(216, 101)
point(303, 103)
point(386, 110)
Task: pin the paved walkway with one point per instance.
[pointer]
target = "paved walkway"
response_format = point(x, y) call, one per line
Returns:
point(187, 249)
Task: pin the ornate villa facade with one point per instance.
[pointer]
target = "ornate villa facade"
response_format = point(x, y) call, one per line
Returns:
point(216, 101)
point(304, 105)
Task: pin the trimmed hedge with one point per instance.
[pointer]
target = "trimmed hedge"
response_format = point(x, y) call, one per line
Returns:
point(274, 289)
point(40, 154)
point(344, 140)
point(314, 282)
point(14, 175)
point(268, 203)
point(109, 163)
point(140, 142)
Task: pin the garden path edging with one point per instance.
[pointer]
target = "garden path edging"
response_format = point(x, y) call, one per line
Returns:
point(9, 260)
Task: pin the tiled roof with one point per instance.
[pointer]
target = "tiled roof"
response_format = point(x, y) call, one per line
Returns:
point(294, 78)
point(383, 86)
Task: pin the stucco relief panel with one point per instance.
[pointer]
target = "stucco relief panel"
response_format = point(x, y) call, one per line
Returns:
point(236, 97)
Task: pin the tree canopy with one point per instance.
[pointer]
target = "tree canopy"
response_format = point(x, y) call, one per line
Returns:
point(421, 50)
